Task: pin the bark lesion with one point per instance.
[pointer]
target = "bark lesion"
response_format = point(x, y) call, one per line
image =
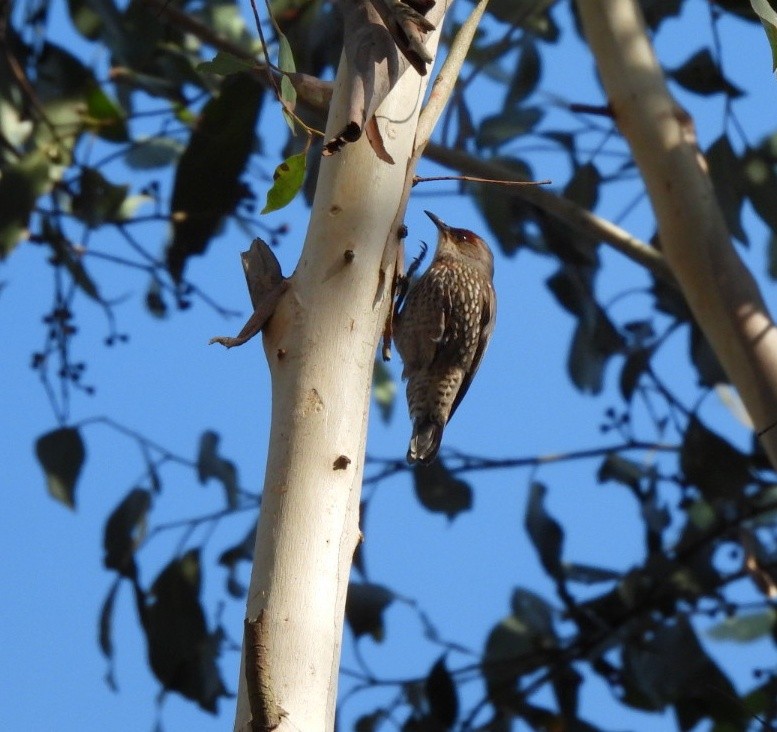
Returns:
point(266, 713)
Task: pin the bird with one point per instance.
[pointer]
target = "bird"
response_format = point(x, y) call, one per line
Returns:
point(441, 332)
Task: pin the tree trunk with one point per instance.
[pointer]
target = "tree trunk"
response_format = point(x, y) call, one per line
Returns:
point(321, 345)
point(720, 291)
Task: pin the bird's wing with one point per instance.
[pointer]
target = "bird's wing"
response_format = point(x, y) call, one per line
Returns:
point(487, 320)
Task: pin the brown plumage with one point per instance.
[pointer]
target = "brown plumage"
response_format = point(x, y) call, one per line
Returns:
point(442, 332)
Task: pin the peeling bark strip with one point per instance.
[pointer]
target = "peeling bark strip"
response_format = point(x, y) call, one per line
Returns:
point(266, 715)
point(266, 285)
point(382, 38)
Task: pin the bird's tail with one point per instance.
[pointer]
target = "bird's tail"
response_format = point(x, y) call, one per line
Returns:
point(425, 442)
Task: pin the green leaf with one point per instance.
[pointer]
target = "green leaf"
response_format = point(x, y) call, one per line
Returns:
point(85, 19)
point(702, 75)
point(364, 608)
point(61, 454)
point(544, 531)
point(745, 627)
point(768, 18)
point(287, 181)
point(288, 92)
point(105, 117)
point(439, 491)
point(384, 390)
point(224, 64)
point(21, 184)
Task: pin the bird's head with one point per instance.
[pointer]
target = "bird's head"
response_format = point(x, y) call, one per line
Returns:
point(462, 243)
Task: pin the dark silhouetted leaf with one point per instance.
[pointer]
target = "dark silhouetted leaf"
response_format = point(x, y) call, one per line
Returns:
point(61, 454)
point(231, 558)
point(211, 465)
point(181, 652)
point(708, 369)
point(583, 186)
point(504, 127)
point(207, 182)
point(636, 363)
point(21, 184)
point(384, 389)
point(656, 11)
point(712, 464)
point(364, 608)
point(588, 575)
point(124, 530)
point(98, 200)
point(106, 632)
point(671, 668)
point(544, 531)
point(531, 15)
point(287, 181)
point(439, 491)
point(760, 183)
point(701, 75)
point(442, 696)
point(729, 188)
point(527, 73)
point(621, 470)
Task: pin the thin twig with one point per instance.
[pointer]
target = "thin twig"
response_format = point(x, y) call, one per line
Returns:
point(429, 179)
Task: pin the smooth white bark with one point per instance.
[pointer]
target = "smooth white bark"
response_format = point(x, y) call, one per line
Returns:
point(720, 291)
point(321, 344)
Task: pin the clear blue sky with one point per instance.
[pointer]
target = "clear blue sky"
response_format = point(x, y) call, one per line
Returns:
point(167, 383)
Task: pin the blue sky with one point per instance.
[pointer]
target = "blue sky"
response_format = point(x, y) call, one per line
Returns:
point(167, 383)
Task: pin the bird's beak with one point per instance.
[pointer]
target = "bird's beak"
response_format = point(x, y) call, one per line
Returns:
point(438, 222)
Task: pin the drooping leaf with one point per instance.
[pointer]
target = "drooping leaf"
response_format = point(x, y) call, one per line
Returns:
point(124, 530)
point(544, 531)
point(182, 652)
point(61, 454)
point(207, 181)
point(702, 75)
point(231, 558)
point(729, 188)
point(364, 608)
point(288, 92)
point(441, 695)
point(105, 633)
point(384, 390)
point(287, 181)
point(439, 491)
point(636, 364)
point(587, 575)
point(712, 464)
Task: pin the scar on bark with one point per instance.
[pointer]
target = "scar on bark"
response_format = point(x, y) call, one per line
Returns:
point(265, 283)
point(266, 715)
